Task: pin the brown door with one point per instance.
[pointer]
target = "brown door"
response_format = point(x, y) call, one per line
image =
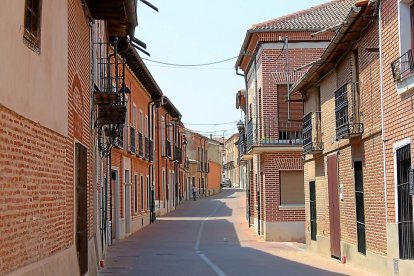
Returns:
point(334, 206)
point(81, 207)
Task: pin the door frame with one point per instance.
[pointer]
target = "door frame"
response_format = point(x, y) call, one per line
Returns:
point(115, 224)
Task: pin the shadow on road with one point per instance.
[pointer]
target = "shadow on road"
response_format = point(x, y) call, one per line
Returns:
point(168, 246)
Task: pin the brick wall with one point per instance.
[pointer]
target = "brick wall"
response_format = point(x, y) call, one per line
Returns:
point(271, 165)
point(35, 206)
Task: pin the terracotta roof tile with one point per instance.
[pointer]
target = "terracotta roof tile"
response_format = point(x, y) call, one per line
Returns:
point(320, 17)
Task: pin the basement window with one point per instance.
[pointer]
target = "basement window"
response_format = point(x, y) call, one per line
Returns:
point(32, 22)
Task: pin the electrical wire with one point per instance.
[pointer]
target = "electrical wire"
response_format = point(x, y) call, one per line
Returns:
point(214, 124)
point(190, 65)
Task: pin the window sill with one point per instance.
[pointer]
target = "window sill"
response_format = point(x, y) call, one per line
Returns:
point(405, 85)
point(292, 207)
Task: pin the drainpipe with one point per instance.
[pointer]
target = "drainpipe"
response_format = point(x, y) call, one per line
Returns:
point(151, 165)
point(382, 109)
point(258, 156)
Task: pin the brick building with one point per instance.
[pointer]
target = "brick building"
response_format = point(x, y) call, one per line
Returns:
point(345, 209)
point(197, 154)
point(230, 166)
point(273, 130)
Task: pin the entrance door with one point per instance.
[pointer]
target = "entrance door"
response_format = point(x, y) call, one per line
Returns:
point(335, 234)
point(405, 205)
point(115, 215)
point(81, 179)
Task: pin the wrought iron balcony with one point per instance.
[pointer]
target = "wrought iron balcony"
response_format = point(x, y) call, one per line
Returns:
point(277, 132)
point(120, 141)
point(403, 66)
point(140, 145)
point(249, 135)
point(312, 133)
point(347, 112)
point(177, 154)
point(168, 152)
point(147, 148)
point(151, 151)
point(109, 89)
point(132, 140)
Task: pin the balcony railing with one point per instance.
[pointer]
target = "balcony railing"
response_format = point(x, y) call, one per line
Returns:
point(347, 112)
point(249, 135)
point(147, 148)
point(151, 151)
point(132, 140)
point(109, 89)
point(312, 135)
point(277, 132)
point(177, 154)
point(140, 145)
point(168, 152)
point(403, 66)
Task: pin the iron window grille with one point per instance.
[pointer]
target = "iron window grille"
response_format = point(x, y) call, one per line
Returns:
point(347, 112)
point(140, 145)
point(405, 204)
point(132, 139)
point(32, 24)
point(312, 135)
point(402, 66)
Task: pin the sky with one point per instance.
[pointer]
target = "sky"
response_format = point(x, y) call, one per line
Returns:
point(204, 31)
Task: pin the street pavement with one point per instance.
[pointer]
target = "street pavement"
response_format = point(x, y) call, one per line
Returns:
point(211, 236)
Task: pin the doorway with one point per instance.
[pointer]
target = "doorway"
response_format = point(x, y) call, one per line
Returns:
point(81, 181)
point(334, 215)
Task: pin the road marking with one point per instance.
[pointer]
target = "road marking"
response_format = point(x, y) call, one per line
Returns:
point(294, 246)
point(197, 245)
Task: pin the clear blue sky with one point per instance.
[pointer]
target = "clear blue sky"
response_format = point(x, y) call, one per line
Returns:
point(202, 31)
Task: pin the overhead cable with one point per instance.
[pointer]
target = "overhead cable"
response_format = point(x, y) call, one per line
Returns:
point(190, 65)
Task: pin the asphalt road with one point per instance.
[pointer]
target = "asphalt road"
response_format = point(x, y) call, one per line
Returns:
point(210, 236)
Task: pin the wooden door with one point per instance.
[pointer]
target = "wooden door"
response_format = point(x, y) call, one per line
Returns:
point(81, 177)
point(334, 218)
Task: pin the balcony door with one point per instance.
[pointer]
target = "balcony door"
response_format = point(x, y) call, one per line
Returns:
point(334, 216)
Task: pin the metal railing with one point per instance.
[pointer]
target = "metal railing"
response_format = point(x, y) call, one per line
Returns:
point(147, 148)
point(132, 140)
point(347, 111)
point(402, 66)
point(140, 145)
point(151, 151)
point(312, 133)
point(249, 135)
point(168, 152)
point(177, 154)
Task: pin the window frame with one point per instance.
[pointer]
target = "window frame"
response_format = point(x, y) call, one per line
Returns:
point(30, 38)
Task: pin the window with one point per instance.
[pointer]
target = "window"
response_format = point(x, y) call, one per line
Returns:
point(359, 202)
point(142, 192)
point(163, 126)
point(148, 193)
point(32, 22)
point(291, 185)
point(141, 121)
point(312, 202)
point(136, 193)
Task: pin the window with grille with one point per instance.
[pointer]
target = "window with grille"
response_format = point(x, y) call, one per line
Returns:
point(32, 22)
point(360, 210)
point(341, 112)
point(312, 201)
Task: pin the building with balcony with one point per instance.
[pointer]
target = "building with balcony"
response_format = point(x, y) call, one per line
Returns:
point(231, 164)
point(344, 191)
point(170, 172)
point(198, 158)
point(271, 58)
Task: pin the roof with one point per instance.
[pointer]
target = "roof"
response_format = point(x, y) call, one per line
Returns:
point(314, 19)
point(358, 19)
point(319, 17)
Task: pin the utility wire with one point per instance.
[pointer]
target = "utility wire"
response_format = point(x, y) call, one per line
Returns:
point(216, 124)
point(190, 65)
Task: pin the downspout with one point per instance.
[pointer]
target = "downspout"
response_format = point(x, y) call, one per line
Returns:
point(382, 110)
point(158, 158)
point(151, 165)
point(167, 172)
point(258, 179)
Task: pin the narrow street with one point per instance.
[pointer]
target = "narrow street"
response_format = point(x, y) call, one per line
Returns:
point(210, 237)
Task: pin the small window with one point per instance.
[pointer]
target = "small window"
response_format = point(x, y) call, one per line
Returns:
point(291, 186)
point(32, 20)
